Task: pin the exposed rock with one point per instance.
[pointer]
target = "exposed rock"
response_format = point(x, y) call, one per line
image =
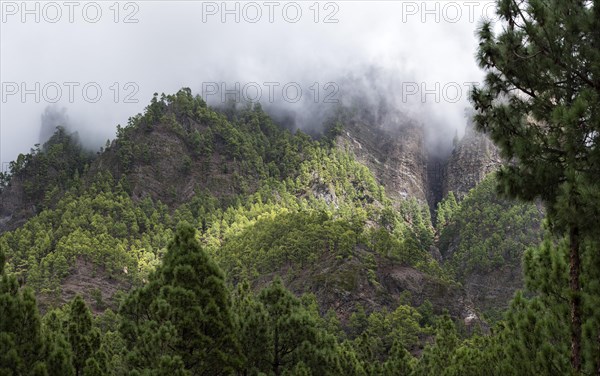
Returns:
point(395, 153)
point(343, 284)
point(435, 179)
point(321, 191)
point(14, 208)
point(87, 279)
point(494, 290)
point(473, 158)
point(435, 253)
point(442, 295)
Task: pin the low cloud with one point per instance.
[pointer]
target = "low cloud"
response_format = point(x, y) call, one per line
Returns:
point(383, 53)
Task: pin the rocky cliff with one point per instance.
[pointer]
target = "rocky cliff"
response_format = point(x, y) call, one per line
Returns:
point(396, 153)
point(473, 157)
point(393, 150)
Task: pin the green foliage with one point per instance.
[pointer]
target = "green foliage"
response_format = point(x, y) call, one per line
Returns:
point(332, 131)
point(445, 211)
point(296, 207)
point(537, 331)
point(311, 201)
point(486, 231)
point(83, 337)
point(539, 106)
point(55, 166)
point(400, 362)
point(436, 358)
point(184, 321)
point(101, 224)
point(294, 339)
point(182, 317)
point(5, 177)
point(25, 347)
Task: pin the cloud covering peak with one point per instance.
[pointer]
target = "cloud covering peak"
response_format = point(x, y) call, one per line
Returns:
point(419, 60)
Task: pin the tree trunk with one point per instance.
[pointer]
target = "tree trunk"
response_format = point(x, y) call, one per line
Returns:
point(574, 271)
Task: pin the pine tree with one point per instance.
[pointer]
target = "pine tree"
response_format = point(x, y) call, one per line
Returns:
point(400, 362)
point(181, 320)
point(58, 355)
point(440, 216)
point(540, 105)
point(536, 335)
point(252, 330)
point(437, 358)
point(82, 336)
point(21, 340)
point(295, 342)
point(481, 354)
point(349, 361)
point(24, 347)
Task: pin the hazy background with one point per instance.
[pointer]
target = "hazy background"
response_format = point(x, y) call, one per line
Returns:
point(377, 48)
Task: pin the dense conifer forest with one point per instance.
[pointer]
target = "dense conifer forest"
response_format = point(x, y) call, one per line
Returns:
point(216, 241)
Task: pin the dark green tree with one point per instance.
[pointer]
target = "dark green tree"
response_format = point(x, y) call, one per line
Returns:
point(59, 356)
point(252, 330)
point(83, 337)
point(294, 339)
point(25, 348)
point(21, 340)
point(181, 321)
point(437, 357)
point(540, 104)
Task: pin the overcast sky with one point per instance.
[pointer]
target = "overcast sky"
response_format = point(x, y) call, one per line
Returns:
point(132, 49)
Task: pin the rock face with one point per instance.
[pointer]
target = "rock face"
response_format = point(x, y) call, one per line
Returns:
point(95, 285)
point(396, 154)
point(436, 178)
point(14, 208)
point(493, 291)
point(342, 285)
point(472, 159)
point(393, 151)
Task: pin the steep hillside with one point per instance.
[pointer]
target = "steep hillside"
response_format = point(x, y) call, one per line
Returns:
point(37, 179)
point(266, 202)
point(180, 148)
point(483, 239)
point(344, 217)
point(342, 221)
point(393, 147)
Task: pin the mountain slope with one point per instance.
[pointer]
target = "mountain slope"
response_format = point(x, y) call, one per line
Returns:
point(37, 179)
point(267, 202)
point(483, 240)
point(344, 217)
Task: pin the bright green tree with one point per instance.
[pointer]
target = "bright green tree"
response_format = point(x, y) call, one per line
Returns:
point(400, 362)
